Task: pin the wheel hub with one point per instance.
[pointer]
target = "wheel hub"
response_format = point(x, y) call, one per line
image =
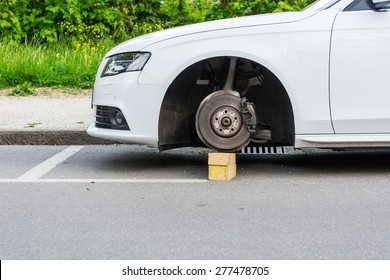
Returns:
point(226, 121)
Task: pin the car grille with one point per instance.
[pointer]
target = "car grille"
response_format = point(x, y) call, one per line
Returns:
point(105, 118)
point(102, 117)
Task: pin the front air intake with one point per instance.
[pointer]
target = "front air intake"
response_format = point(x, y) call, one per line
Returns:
point(110, 118)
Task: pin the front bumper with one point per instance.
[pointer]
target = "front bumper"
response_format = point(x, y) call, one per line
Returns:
point(121, 136)
point(140, 105)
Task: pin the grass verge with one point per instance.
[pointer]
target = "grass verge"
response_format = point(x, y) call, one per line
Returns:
point(54, 65)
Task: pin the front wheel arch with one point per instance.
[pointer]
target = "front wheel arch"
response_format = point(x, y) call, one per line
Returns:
point(187, 91)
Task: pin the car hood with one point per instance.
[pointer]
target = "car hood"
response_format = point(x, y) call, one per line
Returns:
point(141, 42)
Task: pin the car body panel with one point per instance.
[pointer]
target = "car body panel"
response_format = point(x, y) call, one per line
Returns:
point(360, 60)
point(144, 41)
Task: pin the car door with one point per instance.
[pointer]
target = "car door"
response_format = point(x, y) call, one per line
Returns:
point(360, 70)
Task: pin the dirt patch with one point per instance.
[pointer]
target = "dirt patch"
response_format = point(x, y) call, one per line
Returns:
point(54, 92)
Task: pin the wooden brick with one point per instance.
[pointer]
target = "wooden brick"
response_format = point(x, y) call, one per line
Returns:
point(222, 172)
point(222, 158)
point(222, 166)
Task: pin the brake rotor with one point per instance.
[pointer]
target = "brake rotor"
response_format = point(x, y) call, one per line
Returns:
point(219, 122)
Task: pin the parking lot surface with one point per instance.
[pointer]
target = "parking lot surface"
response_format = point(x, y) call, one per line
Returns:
point(133, 202)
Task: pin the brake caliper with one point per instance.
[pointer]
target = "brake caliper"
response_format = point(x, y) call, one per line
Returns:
point(248, 111)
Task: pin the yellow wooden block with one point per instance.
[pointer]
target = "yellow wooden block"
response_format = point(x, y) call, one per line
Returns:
point(222, 172)
point(222, 158)
point(222, 166)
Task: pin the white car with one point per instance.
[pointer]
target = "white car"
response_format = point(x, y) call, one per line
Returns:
point(315, 78)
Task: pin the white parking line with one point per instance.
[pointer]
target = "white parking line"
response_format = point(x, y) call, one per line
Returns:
point(156, 181)
point(49, 164)
point(35, 174)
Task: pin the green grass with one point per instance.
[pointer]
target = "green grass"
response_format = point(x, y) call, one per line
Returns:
point(62, 64)
point(24, 89)
point(32, 125)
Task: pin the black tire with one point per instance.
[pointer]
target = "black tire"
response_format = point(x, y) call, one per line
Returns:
point(220, 124)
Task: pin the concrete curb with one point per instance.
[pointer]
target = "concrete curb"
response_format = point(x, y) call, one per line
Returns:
point(71, 137)
point(59, 119)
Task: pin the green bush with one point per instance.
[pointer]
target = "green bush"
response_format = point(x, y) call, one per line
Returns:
point(91, 20)
point(49, 20)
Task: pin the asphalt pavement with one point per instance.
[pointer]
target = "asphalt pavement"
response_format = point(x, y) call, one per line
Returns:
point(130, 202)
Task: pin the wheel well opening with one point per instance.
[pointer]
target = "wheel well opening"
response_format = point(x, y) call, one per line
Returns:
point(259, 85)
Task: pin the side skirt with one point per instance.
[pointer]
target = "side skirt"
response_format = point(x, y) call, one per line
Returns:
point(342, 141)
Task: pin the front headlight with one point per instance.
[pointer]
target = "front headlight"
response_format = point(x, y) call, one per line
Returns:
point(125, 62)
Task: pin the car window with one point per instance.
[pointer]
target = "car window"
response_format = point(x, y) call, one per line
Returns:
point(360, 5)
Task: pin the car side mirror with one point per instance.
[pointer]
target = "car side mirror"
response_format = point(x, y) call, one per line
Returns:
point(381, 4)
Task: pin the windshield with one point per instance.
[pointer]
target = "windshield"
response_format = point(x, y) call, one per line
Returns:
point(320, 5)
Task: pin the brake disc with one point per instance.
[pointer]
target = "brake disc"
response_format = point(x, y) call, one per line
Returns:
point(219, 122)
